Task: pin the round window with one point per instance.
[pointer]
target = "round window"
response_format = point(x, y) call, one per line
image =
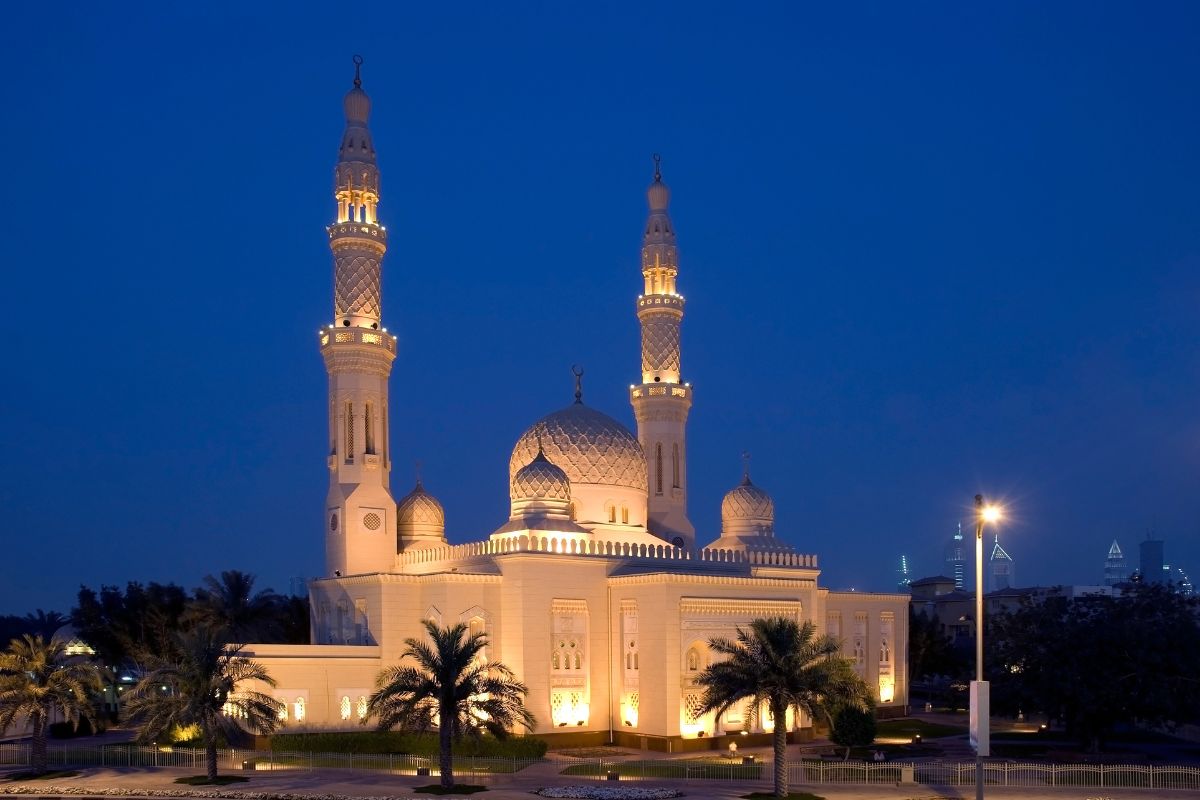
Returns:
point(372, 521)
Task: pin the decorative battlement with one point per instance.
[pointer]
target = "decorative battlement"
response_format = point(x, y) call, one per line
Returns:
point(590, 547)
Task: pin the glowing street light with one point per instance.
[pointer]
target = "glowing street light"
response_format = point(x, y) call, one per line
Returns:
point(980, 705)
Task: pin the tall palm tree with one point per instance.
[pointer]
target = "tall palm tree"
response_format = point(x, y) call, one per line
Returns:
point(37, 678)
point(231, 603)
point(451, 687)
point(784, 665)
point(207, 683)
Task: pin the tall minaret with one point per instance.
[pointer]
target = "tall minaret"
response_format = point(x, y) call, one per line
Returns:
point(360, 514)
point(661, 401)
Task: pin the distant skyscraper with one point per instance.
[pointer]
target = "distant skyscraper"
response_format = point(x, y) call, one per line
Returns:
point(1180, 580)
point(1151, 567)
point(1000, 567)
point(903, 578)
point(1115, 570)
point(956, 559)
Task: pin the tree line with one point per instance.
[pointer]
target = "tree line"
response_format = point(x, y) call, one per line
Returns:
point(1092, 664)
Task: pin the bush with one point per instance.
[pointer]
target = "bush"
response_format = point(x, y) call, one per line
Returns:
point(853, 728)
point(417, 744)
point(67, 730)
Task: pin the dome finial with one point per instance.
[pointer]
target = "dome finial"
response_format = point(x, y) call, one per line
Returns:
point(358, 72)
point(745, 467)
point(657, 168)
point(417, 470)
point(578, 373)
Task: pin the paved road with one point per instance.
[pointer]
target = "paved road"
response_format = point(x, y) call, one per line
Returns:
point(512, 787)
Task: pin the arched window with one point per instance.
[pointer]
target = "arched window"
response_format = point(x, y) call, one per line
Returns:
point(349, 431)
point(283, 709)
point(658, 468)
point(675, 465)
point(885, 652)
point(578, 661)
point(554, 662)
point(362, 707)
point(345, 708)
point(299, 709)
point(693, 660)
point(612, 513)
point(624, 515)
point(370, 429)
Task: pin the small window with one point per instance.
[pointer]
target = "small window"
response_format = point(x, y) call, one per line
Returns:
point(345, 708)
point(612, 513)
point(299, 709)
point(624, 515)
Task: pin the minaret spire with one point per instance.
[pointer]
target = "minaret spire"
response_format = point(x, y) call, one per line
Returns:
point(662, 401)
point(361, 523)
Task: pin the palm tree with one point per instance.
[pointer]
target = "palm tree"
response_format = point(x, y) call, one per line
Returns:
point(36, 678)
point(451, 687)
point(231, 603)
point(205, 684)
point(785, 665)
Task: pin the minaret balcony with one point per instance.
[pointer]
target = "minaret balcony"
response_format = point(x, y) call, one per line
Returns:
point(364, 337)
point(678, 392)
point(663, 302)
point(358, 230)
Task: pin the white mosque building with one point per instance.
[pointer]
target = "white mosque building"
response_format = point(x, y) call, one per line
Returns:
point(597, 590)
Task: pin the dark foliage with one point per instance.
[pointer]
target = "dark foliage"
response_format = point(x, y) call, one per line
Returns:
point(1095, 663)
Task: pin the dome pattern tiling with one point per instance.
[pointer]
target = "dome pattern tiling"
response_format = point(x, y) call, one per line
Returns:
point(356, 286)
point(419, 507)
point(748, 502)
point(589, 446)
point(540, 480)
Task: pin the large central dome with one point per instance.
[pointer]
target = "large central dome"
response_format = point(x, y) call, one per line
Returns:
point(591, 447)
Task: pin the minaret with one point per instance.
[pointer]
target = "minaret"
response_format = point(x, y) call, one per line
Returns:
point(360, 514)
point(661, 401)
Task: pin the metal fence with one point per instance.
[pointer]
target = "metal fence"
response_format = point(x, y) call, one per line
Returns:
point(1000, 773)
point(234, 759)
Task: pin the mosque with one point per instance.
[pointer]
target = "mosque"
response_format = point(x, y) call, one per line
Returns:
point(597, 590)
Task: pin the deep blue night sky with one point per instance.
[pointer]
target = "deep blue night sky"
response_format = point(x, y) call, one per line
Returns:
point(928, 250)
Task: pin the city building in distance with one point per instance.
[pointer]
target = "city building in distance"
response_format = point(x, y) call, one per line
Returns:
point(598, 591)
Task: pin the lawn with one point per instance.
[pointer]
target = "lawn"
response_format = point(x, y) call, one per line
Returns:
point(909, 727)
point(683, 769)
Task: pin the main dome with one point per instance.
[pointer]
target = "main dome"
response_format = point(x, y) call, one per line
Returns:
point(590, 446)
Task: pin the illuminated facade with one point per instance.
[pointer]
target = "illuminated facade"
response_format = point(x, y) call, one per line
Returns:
point(594, 590)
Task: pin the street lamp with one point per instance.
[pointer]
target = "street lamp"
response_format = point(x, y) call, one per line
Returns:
point(980, 707)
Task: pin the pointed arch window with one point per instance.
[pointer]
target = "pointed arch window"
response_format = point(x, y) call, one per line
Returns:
point(370, 428)
point(675, 465)
point(658, 468)
point(345, 707)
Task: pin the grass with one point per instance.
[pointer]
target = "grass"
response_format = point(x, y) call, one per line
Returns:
point(791, 796)
point(908, 727)
point(716, 768)
point(202, 780)
point(458, 788)
point(28, 775)
point(333, 761)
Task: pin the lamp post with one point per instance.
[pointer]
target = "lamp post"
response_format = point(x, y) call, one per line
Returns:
point(979, 697)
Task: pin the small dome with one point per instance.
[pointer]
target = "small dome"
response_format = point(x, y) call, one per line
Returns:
point(540, 480)
point(747, 508)
point(658, 195)
point(357, 106)
point(590, 446)
point(419, 507)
